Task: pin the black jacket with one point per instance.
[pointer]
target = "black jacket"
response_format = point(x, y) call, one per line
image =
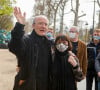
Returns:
point(34, 57)
point(92, 52)
point(63, 76)
point(97, 63)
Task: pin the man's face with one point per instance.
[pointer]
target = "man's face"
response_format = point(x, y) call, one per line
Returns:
point(98, 33)
point(50, 30)
point(96, 36)
point(74, 33)
point(41, 26)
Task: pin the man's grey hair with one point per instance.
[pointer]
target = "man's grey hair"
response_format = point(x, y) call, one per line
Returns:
point(40, 16)
point(75, 27)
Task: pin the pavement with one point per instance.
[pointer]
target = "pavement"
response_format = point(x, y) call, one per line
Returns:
point(8, 71)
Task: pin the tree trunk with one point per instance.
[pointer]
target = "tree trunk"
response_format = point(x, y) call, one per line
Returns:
point(61, 22)
point(76, 13)
point(54, 23)
point(99, 20)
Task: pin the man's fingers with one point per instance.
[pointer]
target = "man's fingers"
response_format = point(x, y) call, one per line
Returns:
point(15, 10)
point(19, 16)
point(24, 14)
point(19, 11)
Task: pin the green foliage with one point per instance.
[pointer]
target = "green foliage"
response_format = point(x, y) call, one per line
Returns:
point(6, 22)
point(6, 7)
point(6, 10)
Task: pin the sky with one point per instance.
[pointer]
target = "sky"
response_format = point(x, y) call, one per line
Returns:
point(26, 6)
point(86, 6)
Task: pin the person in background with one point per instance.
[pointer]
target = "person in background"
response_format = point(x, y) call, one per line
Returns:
point(63, 65)
point(93, 48)
point(79, 48)
point(50, 37)
point(50, 29)
point(97, 60)
point(33, 52)
point(97, 67)
point(50, 34)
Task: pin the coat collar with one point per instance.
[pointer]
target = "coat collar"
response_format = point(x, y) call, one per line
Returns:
point(35, 35)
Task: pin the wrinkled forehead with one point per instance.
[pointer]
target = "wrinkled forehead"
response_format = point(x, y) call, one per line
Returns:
point(73, 29)
point(41, 19)
point(61, 40)
point(50, 30)
point(96, 33)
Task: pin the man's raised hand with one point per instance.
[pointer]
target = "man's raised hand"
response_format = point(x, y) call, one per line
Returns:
point(19, 16)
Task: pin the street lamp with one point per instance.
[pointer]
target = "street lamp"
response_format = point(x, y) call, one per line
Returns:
point(93, 15)
point(98, 12)
point(86, 33)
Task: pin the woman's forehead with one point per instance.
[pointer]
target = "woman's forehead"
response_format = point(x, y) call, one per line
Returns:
point(61, 40)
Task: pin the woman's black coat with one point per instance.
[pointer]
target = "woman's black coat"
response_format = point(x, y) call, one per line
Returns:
point(34, 57)
point(63, 77)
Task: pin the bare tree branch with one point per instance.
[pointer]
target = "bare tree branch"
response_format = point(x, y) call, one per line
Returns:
point(81, 16)
point(62, 7)
point(72, 9)
point(98, 3)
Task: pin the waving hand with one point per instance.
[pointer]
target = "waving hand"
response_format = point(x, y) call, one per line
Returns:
point(19, 16)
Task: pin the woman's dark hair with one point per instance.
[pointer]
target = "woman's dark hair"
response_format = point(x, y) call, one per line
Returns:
point(64, 38)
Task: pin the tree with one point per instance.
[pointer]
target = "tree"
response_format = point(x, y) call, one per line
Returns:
point(6, 22)
point(62, 9)
point(43, 7)
point(99, 14)
point(6, 7)
point(48, 8)
point(75, 11)
point(55, 5)
point(39, 7)
point(6, 10)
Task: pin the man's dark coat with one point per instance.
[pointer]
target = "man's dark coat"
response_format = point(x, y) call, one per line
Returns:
point(34, 58)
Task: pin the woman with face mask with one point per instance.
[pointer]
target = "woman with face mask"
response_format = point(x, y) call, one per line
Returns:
point(63, 65)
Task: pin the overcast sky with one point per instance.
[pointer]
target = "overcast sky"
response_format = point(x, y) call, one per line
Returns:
point(85, 5)
point(26, 6)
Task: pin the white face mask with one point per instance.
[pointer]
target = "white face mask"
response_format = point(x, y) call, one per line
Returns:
point(72, 35)
point(61, 47)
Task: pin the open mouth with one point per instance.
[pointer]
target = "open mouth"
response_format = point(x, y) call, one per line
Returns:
point(42, 30)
